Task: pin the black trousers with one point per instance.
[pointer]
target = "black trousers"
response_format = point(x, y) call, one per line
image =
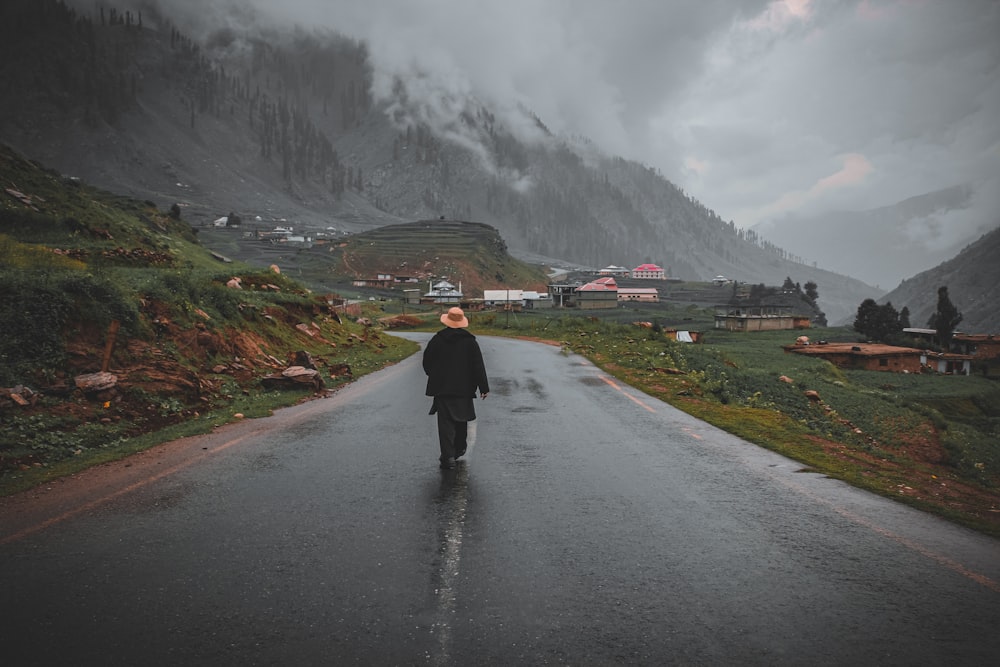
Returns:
point(453, 416)
point(452, 436)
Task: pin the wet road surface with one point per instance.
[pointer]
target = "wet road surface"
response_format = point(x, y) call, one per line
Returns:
point(590, 525)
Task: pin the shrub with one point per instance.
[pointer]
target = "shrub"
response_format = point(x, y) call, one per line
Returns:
point(44, 304)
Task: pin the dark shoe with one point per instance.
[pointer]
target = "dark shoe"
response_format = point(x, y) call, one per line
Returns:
point(448, 464)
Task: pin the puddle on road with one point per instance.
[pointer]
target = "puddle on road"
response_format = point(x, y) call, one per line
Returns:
point(265, 462)
point(501, 386)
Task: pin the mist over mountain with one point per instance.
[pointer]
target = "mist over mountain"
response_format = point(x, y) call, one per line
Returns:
point(885, 245)
point(283, 125)
point(973, 281)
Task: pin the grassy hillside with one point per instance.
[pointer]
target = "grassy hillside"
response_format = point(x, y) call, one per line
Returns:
point(469, 253)
point(97, 282)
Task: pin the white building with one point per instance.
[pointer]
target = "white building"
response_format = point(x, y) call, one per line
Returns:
point(614, 271)
point(503, 297)
point(534, 300)
point(445, 292)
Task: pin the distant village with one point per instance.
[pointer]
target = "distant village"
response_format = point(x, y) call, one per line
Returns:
point(604, 291)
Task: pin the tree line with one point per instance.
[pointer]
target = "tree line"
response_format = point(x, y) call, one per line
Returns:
point(96, 66)
point(884, 324)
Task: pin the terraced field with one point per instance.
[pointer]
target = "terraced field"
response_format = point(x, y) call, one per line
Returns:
point(470, 253)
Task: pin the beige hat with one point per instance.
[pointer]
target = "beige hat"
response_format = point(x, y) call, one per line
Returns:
point(454, 318)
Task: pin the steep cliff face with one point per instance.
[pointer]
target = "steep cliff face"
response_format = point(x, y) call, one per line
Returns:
point(283, 128)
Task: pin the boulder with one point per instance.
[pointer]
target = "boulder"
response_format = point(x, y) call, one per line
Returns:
point(93, 383)
point(294, 376)
point(19, 395)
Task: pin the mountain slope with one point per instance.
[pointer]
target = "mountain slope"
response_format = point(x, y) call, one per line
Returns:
point(117, 323)
point(884, 245)
point(283, 127)
point(973, 282)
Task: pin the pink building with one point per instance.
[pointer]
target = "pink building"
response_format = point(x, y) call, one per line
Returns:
point(648, 272)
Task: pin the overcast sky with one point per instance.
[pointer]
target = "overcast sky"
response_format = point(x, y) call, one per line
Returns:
point(758, 108)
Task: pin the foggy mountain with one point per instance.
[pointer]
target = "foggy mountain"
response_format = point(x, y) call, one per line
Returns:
point(973, 281)
point(283, 126)
point(885, 245)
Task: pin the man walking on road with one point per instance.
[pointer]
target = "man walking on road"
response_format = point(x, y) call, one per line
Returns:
point(454, 366)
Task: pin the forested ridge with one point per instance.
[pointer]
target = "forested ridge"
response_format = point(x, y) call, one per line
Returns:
point(288, 117)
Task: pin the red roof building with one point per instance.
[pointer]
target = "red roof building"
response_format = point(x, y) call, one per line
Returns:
point(980, 346)
point(601, 293)
point(648, 272)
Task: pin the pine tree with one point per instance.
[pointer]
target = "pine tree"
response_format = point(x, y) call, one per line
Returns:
point(812, 292)
point(945, 319)
point(877, 323)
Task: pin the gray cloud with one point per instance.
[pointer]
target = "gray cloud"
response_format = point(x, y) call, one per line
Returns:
point(759, 108)
point(910, 87)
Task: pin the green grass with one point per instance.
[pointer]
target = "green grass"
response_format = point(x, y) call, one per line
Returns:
point(65, 450)
point(73, 261)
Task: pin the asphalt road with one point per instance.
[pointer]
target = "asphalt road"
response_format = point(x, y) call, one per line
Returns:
point(590, 525)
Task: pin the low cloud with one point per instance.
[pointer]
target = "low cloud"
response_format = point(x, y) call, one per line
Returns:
point(755, 107)
point(852, 174)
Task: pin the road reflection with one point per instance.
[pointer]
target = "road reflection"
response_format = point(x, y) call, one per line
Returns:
point(451, 503)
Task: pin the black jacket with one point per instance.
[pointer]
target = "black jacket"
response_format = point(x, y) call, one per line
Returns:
point(454, 365)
